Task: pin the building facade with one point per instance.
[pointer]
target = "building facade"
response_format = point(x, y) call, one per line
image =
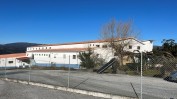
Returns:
point(67, 54)
point(64, 55)
point(13, 60)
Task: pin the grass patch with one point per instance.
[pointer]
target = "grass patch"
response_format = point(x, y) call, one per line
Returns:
point(152, 73)
point(132, 73)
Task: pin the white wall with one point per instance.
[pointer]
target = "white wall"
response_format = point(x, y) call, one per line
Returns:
point(55, 57)
point(11, 62)
point(105, 53)
point(148, 47)
point(86, 45)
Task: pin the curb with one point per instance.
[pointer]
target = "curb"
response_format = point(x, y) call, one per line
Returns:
point(84, 92)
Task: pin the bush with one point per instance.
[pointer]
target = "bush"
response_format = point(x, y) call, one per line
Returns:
point(133, 66)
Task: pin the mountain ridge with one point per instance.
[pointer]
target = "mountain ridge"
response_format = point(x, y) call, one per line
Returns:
point(16, 47)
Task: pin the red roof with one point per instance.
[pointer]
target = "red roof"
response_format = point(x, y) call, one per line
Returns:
point(16, 55)
point(61, 50)
point(93, 41)
point(23, 58)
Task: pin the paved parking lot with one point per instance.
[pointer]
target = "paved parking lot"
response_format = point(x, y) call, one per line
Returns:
point(118, 84)
point(10, 90)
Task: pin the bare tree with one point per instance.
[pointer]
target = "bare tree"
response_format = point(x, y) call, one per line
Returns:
point(118, 35)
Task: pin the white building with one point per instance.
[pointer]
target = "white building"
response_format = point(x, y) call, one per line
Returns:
point(13, 60)
point(64, 54)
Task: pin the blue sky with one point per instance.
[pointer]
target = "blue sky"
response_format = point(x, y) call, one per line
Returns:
point(59, 21)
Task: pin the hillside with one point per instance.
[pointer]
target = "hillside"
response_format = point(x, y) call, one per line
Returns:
point(15, 47)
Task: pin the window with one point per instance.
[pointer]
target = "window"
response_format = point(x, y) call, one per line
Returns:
point(97, 45)
point(93, 44)
point(138, 47)
point(130, 47)
point(104, 46)
point(74, 56)
point(64, 56)
point(10, 62)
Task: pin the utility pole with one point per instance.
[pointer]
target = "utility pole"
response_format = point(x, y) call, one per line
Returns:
point(5, 66)
point(69, 72)
point(141, 75)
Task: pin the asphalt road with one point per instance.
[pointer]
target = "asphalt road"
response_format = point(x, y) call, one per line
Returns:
point(10, 90)
point(124, 85)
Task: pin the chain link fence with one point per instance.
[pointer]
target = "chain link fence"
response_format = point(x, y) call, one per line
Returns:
point(145, 76)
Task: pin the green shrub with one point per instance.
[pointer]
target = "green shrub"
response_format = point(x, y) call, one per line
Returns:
point(131, 72)
point(86, 60)
point(152, 73)
point(133, 66)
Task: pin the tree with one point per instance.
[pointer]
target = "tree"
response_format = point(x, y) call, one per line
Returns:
point(170, 46)
point(118, 35)
point(86, 59)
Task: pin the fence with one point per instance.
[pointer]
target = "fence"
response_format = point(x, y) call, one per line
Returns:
point(144, 76)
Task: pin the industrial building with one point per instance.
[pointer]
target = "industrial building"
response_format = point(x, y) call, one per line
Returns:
point(67, 54)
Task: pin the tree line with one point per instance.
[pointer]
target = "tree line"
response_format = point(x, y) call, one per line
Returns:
point(168, 45)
